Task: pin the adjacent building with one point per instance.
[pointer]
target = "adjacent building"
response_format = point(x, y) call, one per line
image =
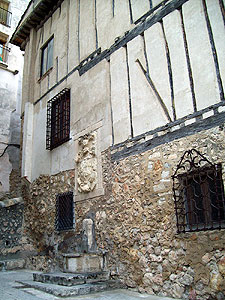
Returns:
point(123, 115)
point(11, 70)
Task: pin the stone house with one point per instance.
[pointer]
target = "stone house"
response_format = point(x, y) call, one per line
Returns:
point(11, 70)
point(123, 115)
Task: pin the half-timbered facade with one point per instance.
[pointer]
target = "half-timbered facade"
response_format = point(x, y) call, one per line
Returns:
point(123, 106)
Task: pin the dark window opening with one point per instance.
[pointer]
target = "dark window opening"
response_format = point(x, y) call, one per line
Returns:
point(47, 57)
point(64, 212)
point(198, 194)
point(58, 120)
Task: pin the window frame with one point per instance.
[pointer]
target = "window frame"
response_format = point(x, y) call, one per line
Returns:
point(198, 190)
point(65, 212)
point(58, 120)
point(199, 198)
point(6, 17)
point(46, 66)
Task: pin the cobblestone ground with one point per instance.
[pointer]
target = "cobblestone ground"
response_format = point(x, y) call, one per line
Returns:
point(10, 289)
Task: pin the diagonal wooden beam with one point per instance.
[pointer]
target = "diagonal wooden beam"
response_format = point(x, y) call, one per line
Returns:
point(149, 80)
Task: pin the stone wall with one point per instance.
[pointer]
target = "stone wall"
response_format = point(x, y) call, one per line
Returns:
point(10, 229)
point(135, 222)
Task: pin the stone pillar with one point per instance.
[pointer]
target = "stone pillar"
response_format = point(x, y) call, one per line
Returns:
point(88, 238)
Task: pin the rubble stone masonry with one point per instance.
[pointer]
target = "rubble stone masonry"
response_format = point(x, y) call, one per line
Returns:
point(135, 222)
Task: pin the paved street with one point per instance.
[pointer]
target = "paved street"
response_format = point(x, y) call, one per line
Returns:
point(11, 290)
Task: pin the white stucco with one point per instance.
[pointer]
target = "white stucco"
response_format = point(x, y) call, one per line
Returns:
point(203, 68)
point(120, 96)
point(158, 67)
point(181, 83)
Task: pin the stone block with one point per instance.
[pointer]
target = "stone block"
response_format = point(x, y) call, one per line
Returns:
point(83, 262)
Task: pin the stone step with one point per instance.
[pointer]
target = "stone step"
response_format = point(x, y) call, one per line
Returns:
point(78, 290)
point(70, 279)
point(12, 264)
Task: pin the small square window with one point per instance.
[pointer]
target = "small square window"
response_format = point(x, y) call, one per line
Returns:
point(64, 212)
point(47, 57)
point(199, 196)
point(58, 120)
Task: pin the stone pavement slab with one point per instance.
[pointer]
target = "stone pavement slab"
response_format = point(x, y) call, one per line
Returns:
point(10, 289)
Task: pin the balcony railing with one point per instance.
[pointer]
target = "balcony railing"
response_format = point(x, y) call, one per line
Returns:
point(5, 17)
point(4, 53)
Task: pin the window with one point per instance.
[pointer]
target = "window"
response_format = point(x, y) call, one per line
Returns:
point(64, 212)
point(5, 15)
point(198, 194)
point(4, 51)
point(47, 56)
point(58, 120)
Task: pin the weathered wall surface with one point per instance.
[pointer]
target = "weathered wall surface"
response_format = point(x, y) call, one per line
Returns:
point(135, 222)
point(158, 93)
point(10, 101)
point(11, 228)
point(12, 242)
point(128, 91)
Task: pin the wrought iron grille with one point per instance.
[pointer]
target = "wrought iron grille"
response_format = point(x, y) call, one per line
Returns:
point(4, 53)
point(58, 120)
point(198, 193)
point(5, 17)
point(64, 211)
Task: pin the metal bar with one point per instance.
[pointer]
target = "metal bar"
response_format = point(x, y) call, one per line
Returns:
point(199, 193)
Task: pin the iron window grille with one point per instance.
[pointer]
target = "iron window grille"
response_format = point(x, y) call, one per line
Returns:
point(64, 212)
point(198, 193)
point(47, 56)
point(5, 15)
point(58, 120)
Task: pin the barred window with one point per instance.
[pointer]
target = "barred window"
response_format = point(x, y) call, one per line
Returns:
point(58, 120)
point(64, 212)
point(198, 194)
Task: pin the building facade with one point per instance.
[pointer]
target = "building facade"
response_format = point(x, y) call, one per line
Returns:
point(123, 123)
point(11, 71)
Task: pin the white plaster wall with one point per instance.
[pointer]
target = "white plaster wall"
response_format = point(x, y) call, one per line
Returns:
point(218, 30)
point(90, 97)
point(158, 67)
point(156, 2)
point(203, 69)
point(87, 28)
point(73, 55)
point(110, 27)
point(120, 96)
point(181, 83)
point(146, 110)
point(139, 8)
point(27, 148)
point(106, 85)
